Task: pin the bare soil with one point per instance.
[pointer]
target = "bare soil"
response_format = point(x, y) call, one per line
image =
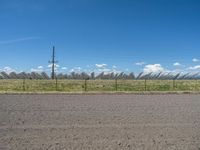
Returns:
point(91, 122)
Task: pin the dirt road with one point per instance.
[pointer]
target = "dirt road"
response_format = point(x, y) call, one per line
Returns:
point(127, 121)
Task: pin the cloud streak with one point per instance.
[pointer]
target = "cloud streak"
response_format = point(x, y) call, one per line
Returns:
point(140, 63)
point(195, 67)
point(101, 65)
point(38, 69)
point(18, 40)
point(176, 64)
point(195, 60)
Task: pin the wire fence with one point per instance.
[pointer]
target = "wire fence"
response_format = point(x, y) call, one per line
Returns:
point(26, 85)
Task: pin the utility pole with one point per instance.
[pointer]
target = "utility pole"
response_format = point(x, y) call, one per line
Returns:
point(52, 62)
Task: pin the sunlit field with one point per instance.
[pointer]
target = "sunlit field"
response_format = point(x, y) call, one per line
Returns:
point(98, 85)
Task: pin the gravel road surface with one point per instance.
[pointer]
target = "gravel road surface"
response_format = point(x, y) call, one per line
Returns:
point(99, 122)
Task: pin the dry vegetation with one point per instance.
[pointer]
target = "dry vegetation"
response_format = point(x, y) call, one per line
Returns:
point(98, 85)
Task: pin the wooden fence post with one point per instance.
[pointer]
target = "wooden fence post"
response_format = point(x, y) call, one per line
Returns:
point(196, 85)
point(56, 84)
point(145, 84)
point(174, 84)
point(116, 85)
point(24, 88)
point(85, 85)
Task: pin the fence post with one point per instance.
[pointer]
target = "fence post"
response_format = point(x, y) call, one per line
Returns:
point(56, 84)
point(196, 85)
point(174, 84)
point(145, 84)
point(85, 85)
point(24, 85)
point(116, 85)
point(86, 88)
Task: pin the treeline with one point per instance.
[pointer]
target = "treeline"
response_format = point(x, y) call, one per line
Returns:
point(93, 76)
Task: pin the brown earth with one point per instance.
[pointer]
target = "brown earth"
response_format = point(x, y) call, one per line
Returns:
point(115, 122)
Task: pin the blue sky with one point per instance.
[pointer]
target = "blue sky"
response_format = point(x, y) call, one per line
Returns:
point(100, 35)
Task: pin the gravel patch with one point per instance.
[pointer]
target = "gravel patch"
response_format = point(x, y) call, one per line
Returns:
point(99, 121)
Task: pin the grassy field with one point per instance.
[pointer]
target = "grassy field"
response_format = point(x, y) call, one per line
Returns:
point(98, 85)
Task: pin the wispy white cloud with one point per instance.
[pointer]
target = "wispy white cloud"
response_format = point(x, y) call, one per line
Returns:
point(195, 67)
point(127, 70)
point(195, 60)
point(106, 69)
point(140, 63)
point(176, 64)
point(155, 68)
point(38, 69)
point(58, 68)
point(64, 68)
point(101, 65)
point(114, 67)
point(76, 69)
point(18, 40)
